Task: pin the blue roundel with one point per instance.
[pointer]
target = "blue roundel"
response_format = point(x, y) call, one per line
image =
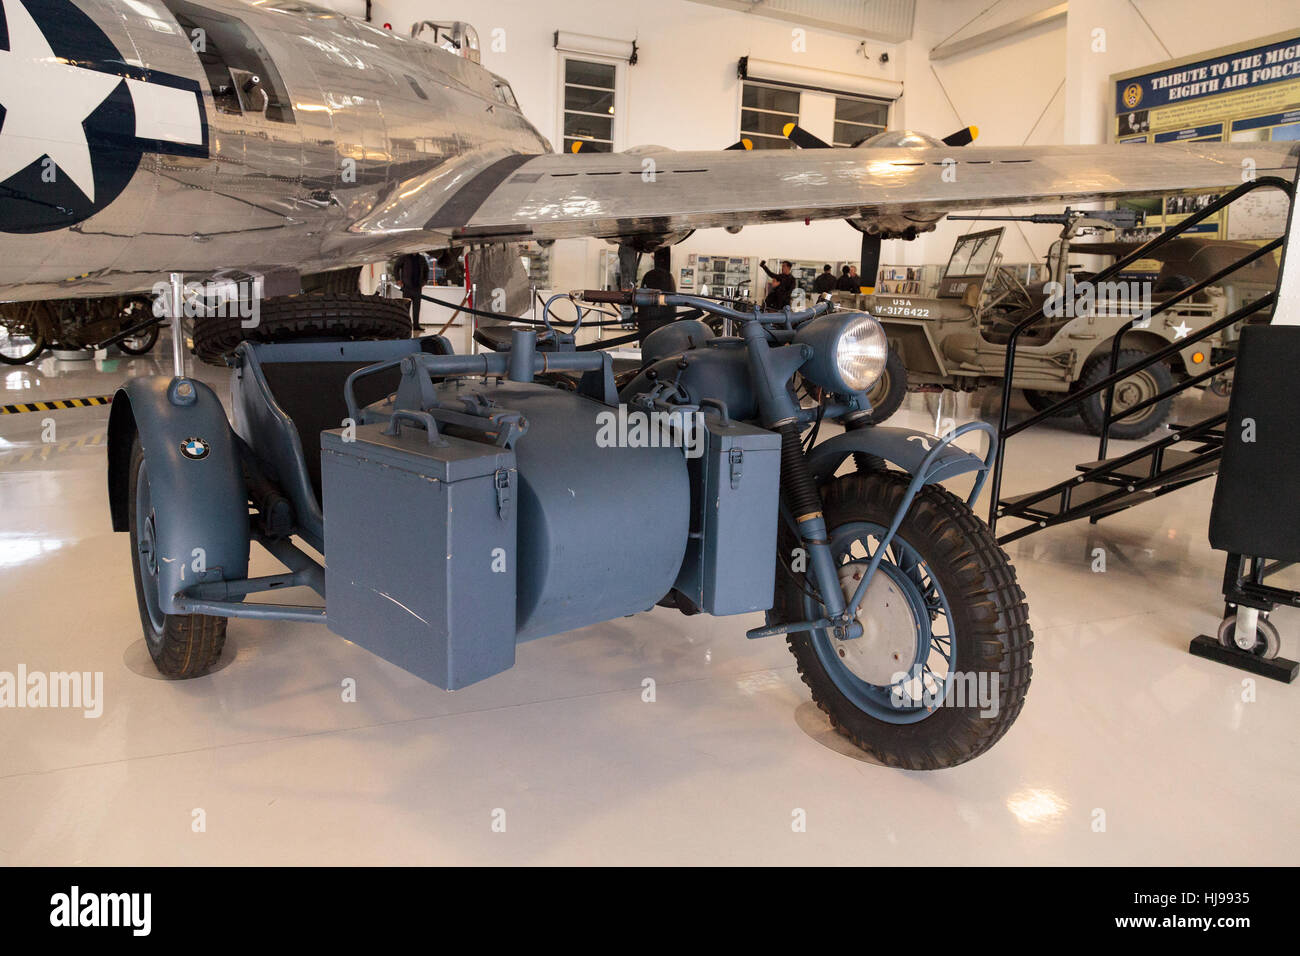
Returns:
point(68, 118)
point(194, 448)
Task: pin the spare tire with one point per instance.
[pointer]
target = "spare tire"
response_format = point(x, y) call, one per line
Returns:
point(293, 318)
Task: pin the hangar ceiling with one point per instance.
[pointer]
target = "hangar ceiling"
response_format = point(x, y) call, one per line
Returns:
point(886, 20)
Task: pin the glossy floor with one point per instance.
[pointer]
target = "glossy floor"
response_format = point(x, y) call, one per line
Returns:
point(1128, 749)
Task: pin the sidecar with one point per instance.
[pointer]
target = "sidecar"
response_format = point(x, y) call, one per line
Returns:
point(444, 506)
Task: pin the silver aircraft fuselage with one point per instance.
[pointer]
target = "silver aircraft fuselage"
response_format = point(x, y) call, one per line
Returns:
point(274, 138)
point(351, 116)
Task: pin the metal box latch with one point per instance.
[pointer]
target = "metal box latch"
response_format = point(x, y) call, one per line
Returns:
point(736, 458)
point(501, 479)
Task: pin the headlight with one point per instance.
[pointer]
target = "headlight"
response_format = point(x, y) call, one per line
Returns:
point(861, 353)
point(849, 351)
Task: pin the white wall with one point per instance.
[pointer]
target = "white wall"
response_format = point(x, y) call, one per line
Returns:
point(1042, 86)
point(1166, 30)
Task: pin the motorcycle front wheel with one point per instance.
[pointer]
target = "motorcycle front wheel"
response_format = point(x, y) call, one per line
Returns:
point(941, 669)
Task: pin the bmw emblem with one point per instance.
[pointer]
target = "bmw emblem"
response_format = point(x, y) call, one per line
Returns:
point(194, 448)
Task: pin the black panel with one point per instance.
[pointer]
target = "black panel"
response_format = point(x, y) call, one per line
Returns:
point(1257, 499)
point(311, 393)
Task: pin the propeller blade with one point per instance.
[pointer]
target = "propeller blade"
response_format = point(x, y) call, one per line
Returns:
point(802, 138)
point(742, 144)
point(869, 267)
point(962, 137)
point(576, 147)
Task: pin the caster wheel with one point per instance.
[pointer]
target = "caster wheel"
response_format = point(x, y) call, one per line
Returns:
point(1268, 643)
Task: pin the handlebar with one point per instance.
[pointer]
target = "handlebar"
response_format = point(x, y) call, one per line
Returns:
point(652, 297)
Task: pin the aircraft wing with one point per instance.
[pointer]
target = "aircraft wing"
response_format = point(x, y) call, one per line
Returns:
point(608, 195)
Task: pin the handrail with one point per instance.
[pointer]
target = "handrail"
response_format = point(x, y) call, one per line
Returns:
point(1005, 430)
point(1151, 359)
point(1191, 290)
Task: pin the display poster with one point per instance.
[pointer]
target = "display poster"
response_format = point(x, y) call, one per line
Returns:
point(1247, 93)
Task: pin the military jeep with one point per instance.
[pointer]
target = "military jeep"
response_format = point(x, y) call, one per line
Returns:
point(957, 339)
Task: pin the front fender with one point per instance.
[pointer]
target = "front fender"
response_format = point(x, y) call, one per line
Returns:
point(198, 503)
point(905, 447)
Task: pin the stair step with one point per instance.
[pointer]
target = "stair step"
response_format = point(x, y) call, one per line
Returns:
point(1142, 467)
point(1080, 494)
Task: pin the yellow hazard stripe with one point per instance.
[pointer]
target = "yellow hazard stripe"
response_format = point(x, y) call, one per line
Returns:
point(85, 441)
point(55, 404)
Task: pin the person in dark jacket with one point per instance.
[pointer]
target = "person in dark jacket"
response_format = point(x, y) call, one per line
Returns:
point(412, 275)
point(651, 317)
point(824, 282)
point(846, 282)
point(782, 286)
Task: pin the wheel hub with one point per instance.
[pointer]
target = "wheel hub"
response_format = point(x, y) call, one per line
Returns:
point(1133, 390)
point(148, 554)
point(888, 645)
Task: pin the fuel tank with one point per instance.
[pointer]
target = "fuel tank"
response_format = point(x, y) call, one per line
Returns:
point(719, 370)
point(602, 530)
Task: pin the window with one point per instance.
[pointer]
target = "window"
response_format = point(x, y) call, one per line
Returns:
point(456, 37)
point(764, 113)
point(505, 94)
point(590, 90)
point(857, 119)
point(239, 70)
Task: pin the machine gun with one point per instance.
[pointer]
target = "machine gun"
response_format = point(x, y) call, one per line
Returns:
point(1073, 220)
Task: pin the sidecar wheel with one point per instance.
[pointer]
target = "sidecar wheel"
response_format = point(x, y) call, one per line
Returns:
point(941, 670)
point(181, 645)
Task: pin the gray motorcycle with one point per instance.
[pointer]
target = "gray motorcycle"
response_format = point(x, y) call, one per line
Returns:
point(466, 503)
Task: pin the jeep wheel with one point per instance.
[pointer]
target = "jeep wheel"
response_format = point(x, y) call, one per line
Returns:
point(181, 645)
point(890, 389)
point(1137, 388)
point(1041, 401)
point(292, 318)
point(21, 339)
point(941, 669)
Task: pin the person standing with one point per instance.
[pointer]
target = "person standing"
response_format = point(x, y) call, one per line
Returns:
point(845, 282)
point(824, 282)
point(781, 288)
point(413, 275)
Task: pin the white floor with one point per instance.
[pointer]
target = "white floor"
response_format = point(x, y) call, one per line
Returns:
point(1121, 725)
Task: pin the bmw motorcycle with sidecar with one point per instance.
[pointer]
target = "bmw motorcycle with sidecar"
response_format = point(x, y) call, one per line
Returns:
point(465, 503)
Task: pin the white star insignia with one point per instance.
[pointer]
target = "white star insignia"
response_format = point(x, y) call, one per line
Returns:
point(46, 101)
point(1181, 330)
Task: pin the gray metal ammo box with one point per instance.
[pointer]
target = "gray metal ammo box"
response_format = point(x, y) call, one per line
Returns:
point(420, 543)
point(730, 563)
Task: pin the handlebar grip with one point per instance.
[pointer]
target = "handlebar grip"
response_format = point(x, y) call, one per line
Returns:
point(611, 296)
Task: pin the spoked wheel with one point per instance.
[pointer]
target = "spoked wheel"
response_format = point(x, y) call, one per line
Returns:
point(1268, 642)
point(181, 645)
point(21, 339)
point(140, 344)
point(941, 669)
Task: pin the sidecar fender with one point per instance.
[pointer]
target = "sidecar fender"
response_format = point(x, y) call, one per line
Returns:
point(201, 503)
point(905, 447)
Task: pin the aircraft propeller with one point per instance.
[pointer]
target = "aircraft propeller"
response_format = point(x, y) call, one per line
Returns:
point(869, 255)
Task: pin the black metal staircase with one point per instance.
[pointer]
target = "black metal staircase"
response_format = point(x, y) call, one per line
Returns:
point(1187, 454)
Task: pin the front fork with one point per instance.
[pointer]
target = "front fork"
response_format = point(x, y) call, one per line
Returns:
point(805, 505)
point(770, 371)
